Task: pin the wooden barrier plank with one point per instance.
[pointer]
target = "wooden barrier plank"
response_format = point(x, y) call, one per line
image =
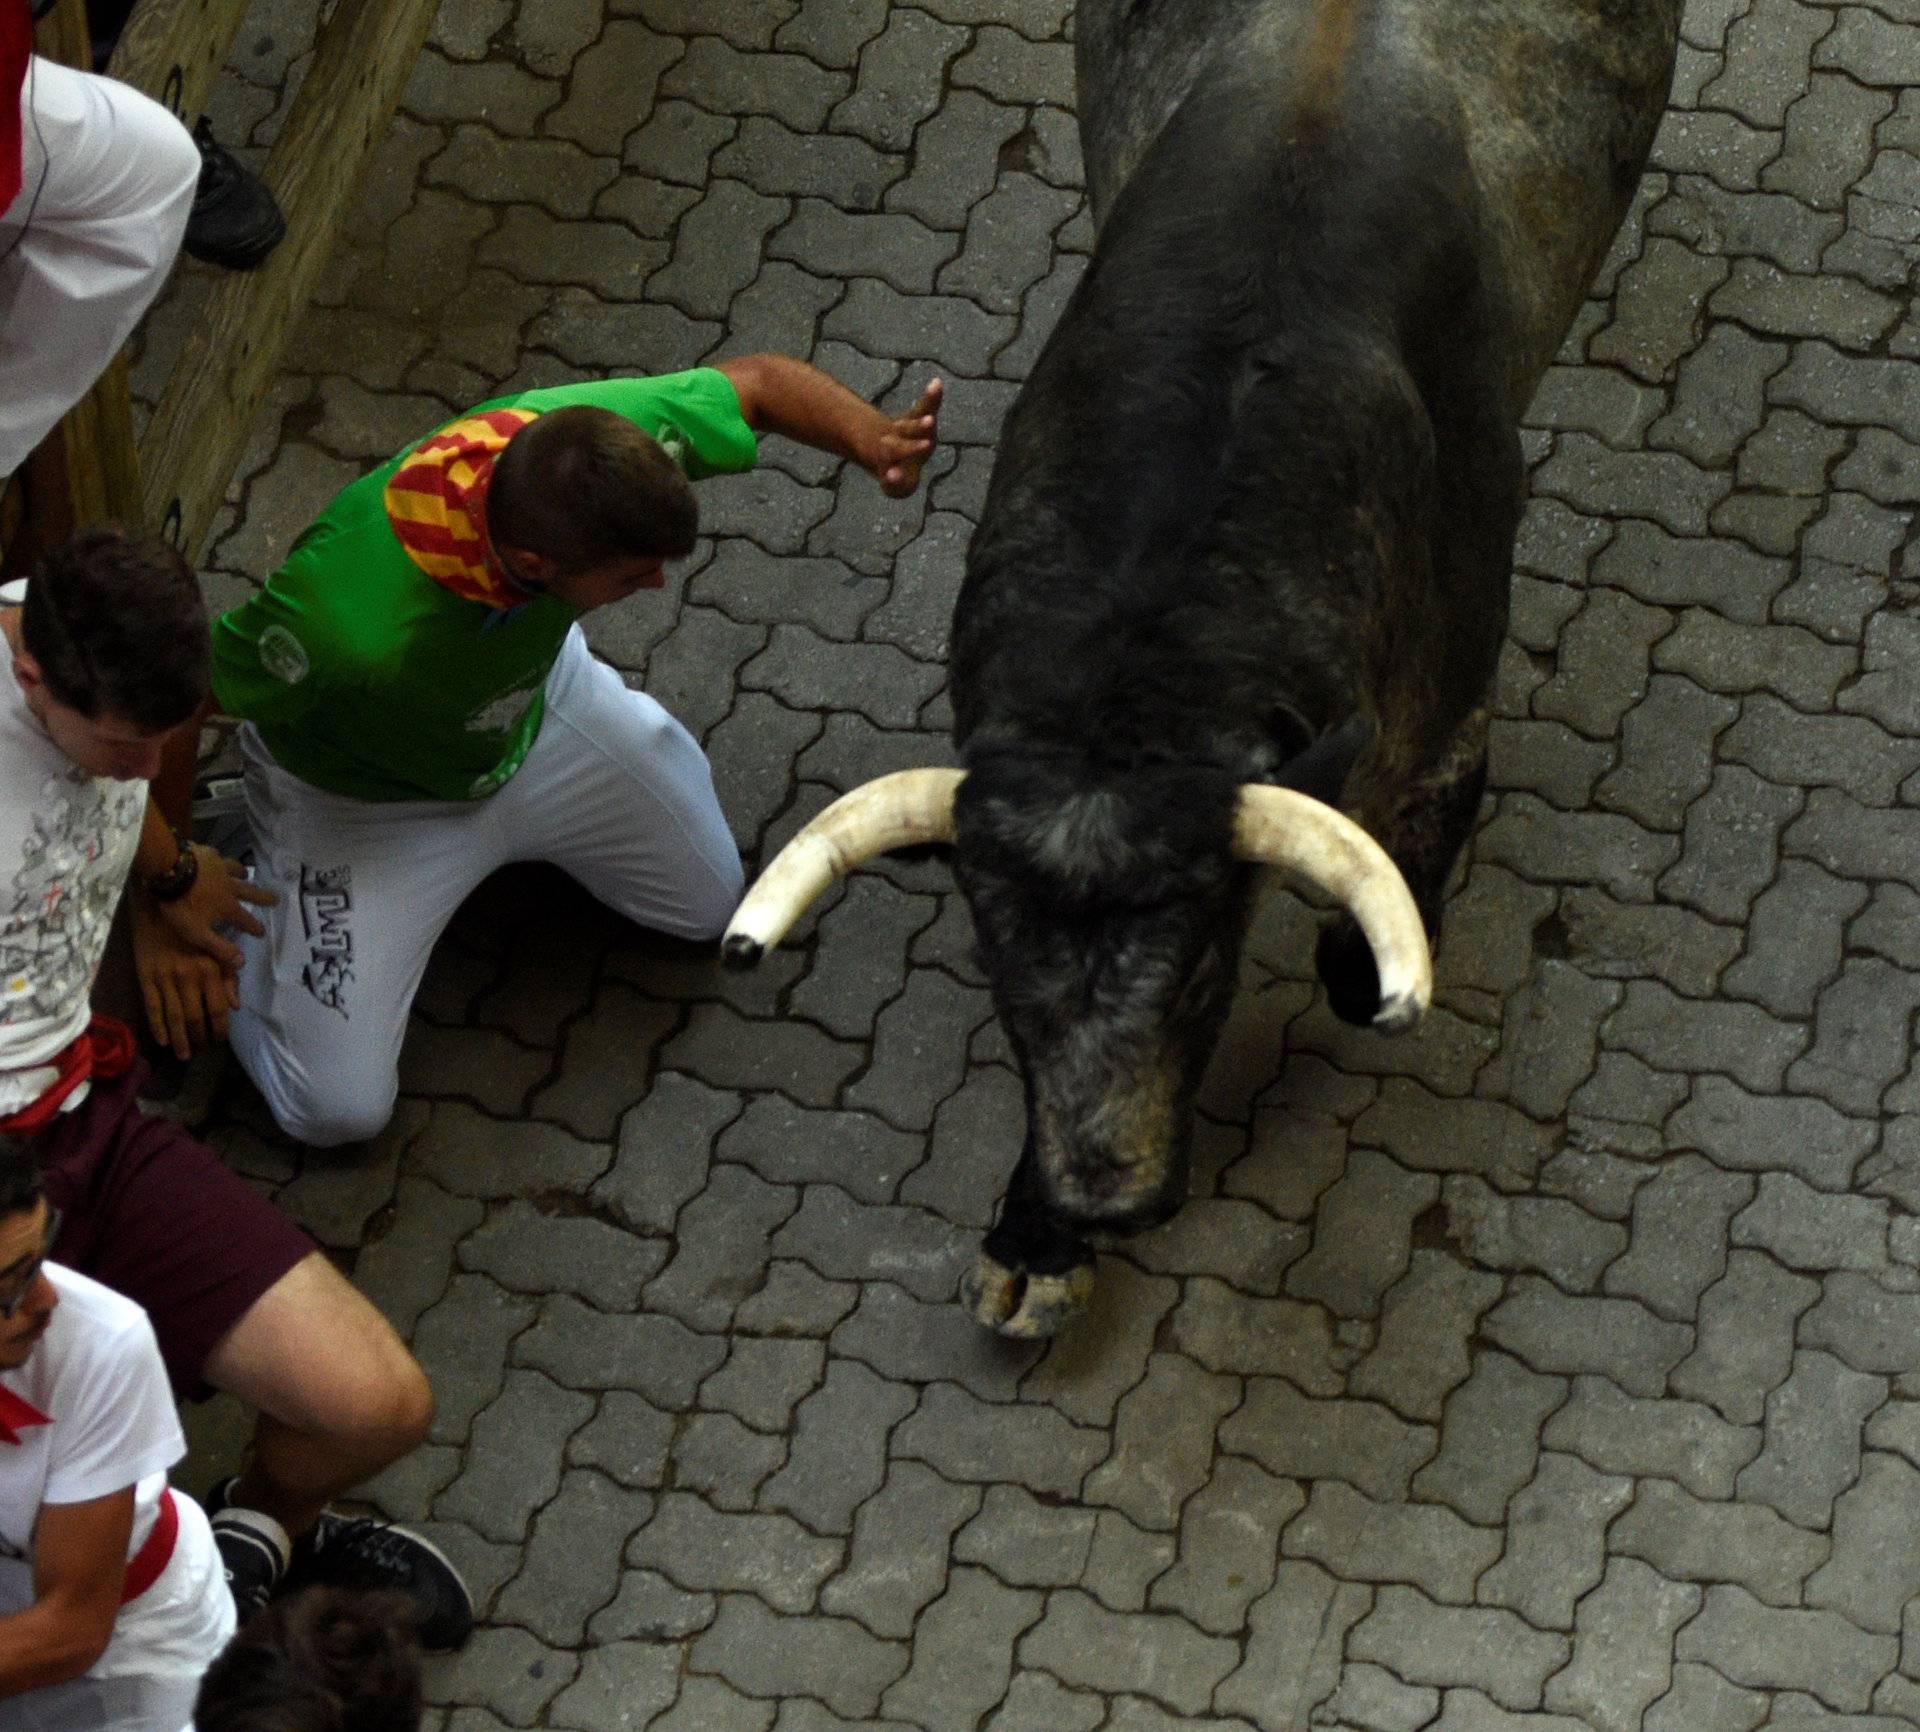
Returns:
point(361, 64)
point(174, 49)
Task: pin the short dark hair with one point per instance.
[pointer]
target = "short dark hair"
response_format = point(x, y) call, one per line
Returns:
point(119, 627)
point(582, 485)
point(321, 1660)
point(20, 1185)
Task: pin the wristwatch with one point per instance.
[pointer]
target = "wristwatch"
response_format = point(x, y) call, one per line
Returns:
point(173, 883)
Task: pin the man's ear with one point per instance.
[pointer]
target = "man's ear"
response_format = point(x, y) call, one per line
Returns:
point(27, 672)
point(534, 567)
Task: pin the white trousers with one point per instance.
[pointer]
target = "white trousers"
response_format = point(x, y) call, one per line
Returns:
point(108, 176)
point(614, 791)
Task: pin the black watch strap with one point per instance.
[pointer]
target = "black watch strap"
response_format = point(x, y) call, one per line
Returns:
point(177, 879)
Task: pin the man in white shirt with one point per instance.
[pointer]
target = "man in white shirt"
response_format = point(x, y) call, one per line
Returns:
point(106, 1575)
point(105, 658)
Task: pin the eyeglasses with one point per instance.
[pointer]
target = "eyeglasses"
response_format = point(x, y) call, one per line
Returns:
point(15, 1288)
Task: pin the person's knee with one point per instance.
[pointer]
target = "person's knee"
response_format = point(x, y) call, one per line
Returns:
point(326, 1121)
point(173, 159)
point(398, 1409)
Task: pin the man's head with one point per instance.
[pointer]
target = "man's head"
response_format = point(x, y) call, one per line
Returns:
point(322, 1660)
point(112, 650)
point(27, 1298)
point(586, 507)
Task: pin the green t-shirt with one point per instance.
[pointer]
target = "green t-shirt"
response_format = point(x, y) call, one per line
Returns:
point(366, 677)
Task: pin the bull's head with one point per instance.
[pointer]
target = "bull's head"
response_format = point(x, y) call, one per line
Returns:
point(1109, 914)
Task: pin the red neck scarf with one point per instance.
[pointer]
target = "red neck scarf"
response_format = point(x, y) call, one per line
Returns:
point(17, 1415)
point(437, 504)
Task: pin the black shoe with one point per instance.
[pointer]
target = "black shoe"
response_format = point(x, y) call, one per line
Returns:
point(362, 1552)
point(235, 221)
point(253, 1551)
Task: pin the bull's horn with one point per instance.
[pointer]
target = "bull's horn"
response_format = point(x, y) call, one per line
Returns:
point(890, 812)
point(1279, 827)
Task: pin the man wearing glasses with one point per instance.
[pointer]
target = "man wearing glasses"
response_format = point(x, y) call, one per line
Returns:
point(112, 1601)
point(422, 708)
point(107, 656)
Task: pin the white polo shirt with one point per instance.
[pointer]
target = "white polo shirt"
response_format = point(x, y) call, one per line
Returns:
point(87, 1415)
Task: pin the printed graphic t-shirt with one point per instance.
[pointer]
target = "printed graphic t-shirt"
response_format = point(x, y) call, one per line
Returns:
point(366, 677)
point(87, 1415)
point(67, 841)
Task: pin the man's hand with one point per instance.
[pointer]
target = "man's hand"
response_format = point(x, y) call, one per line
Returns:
point(905, 444)
point(219, 896)
point(189, 992)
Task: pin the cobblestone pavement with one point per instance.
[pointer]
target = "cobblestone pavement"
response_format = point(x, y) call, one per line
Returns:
point(1556, 1367)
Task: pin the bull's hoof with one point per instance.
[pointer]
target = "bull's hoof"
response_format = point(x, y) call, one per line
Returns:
point(1025, 1306)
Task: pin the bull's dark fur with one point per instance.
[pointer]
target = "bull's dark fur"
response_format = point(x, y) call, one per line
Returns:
point(1252, 518)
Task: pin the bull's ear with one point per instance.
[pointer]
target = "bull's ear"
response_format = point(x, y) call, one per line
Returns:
point(910, 806)
point(1279, 827)
point(1320, 770)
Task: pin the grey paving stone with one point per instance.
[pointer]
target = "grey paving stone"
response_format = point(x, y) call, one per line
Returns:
point(796, 1301)
point(1020, 1538)
point(1615, 1338)
point(717, 76)
point(1575, 848)
point(1089, 1647)
point(1087, 1369)
point(530, 1250)
point(654, 1356)
point(956, 157)
point(1036, 1702)
point(719, 1459)
point(832, 31)
point(1298, 1437)
point(1689, 1540)
point(1703, 1701)
point(1860, 1036)
point(1486, 1648)
point(721, 1246)
point(1667, 748)
point(832, 1659)
point(1795, 940)
point(603, 1061)
point(1666, 487)
point(661, 1160)
point(1621, 941)
point(909, 1341)
point(897, 248)
point(1758, 1132)
point(1678, 1440)
point(1124, 1562)
point(1428, 1134)
point(847, 1240)
point(1870, 1576)
point(675, 144)
point(1745, 1338)
point(962, 1650)
point(1829, 140)
point(976, 1443)
point(571, 1565)
point(1601, 1181)
point(1163, 1441)
point(1546, 1234)
point(1227, 1535)
point(1658, 309)
point(704, 1550)
point(1596, 400)
point(731, 1051)
point(1812, 1448)
point(1737, 220)
point(1623, 1646)
point(1232, 1332)
point(1767, 53)
point(1548, 759)
point(552, 173)
point(1737, 1039)
point(837, 1458)
point(1374, 1699)
point(919, 1049)
point(1362, 1235)
point(627, 1438)
point(1623, 1090)
point(1814, 1230)
point(747, 582)
point(1556, 1541)
point(1766, 522)
point(763, 1380)
point(518, 1444)
point(1863, 1324)
point(1426, 1545)
point(1293, 1650)
point(901, 75)
point(947, 330)
point(405, 1270)
point(649, 1608)
point(1008, 246)
point(508, 1672)
point(1815, 1651)
point(461, 1343)
point(1679, 1248)
point(897, 1562)
point(1427, 1323)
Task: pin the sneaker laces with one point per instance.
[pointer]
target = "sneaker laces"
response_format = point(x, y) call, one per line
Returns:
point(217, 164)
point(363, 1551)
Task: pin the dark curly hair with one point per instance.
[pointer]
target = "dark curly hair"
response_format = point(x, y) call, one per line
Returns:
point(321, 1660)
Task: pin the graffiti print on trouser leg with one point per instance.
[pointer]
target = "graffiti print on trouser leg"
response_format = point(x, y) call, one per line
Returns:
point(326, 908)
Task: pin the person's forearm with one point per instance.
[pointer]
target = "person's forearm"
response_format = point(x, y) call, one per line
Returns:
point(797, 400)
point(48, 1643)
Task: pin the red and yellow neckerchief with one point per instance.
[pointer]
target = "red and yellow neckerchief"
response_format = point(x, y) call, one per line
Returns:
point(437, 504)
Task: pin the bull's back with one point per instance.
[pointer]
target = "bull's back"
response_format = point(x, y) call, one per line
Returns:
point(1554, 104)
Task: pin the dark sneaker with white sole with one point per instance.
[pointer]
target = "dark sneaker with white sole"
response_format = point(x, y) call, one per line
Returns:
point(365, 1552)
point(253, 1552)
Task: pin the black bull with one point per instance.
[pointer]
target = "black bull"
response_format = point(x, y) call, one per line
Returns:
point(1252, 521)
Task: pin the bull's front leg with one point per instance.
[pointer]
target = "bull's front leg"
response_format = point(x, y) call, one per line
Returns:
point(1423, 824)
point(1033, 1275)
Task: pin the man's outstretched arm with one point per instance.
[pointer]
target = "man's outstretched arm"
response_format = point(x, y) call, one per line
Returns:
point(79, 1563)
point(781, 395)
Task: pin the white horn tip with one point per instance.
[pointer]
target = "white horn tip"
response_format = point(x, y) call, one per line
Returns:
point(741, 950)
point(1398, 1013)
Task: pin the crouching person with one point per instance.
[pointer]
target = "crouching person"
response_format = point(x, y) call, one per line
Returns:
point(106, 1575)
point(105, 658)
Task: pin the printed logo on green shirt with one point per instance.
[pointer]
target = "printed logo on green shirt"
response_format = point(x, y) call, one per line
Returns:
point(499, 714)
point(283, 655)
point(674, 443)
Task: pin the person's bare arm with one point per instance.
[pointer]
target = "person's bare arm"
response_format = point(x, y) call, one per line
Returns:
point(79, 1567)
point(781, 395)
